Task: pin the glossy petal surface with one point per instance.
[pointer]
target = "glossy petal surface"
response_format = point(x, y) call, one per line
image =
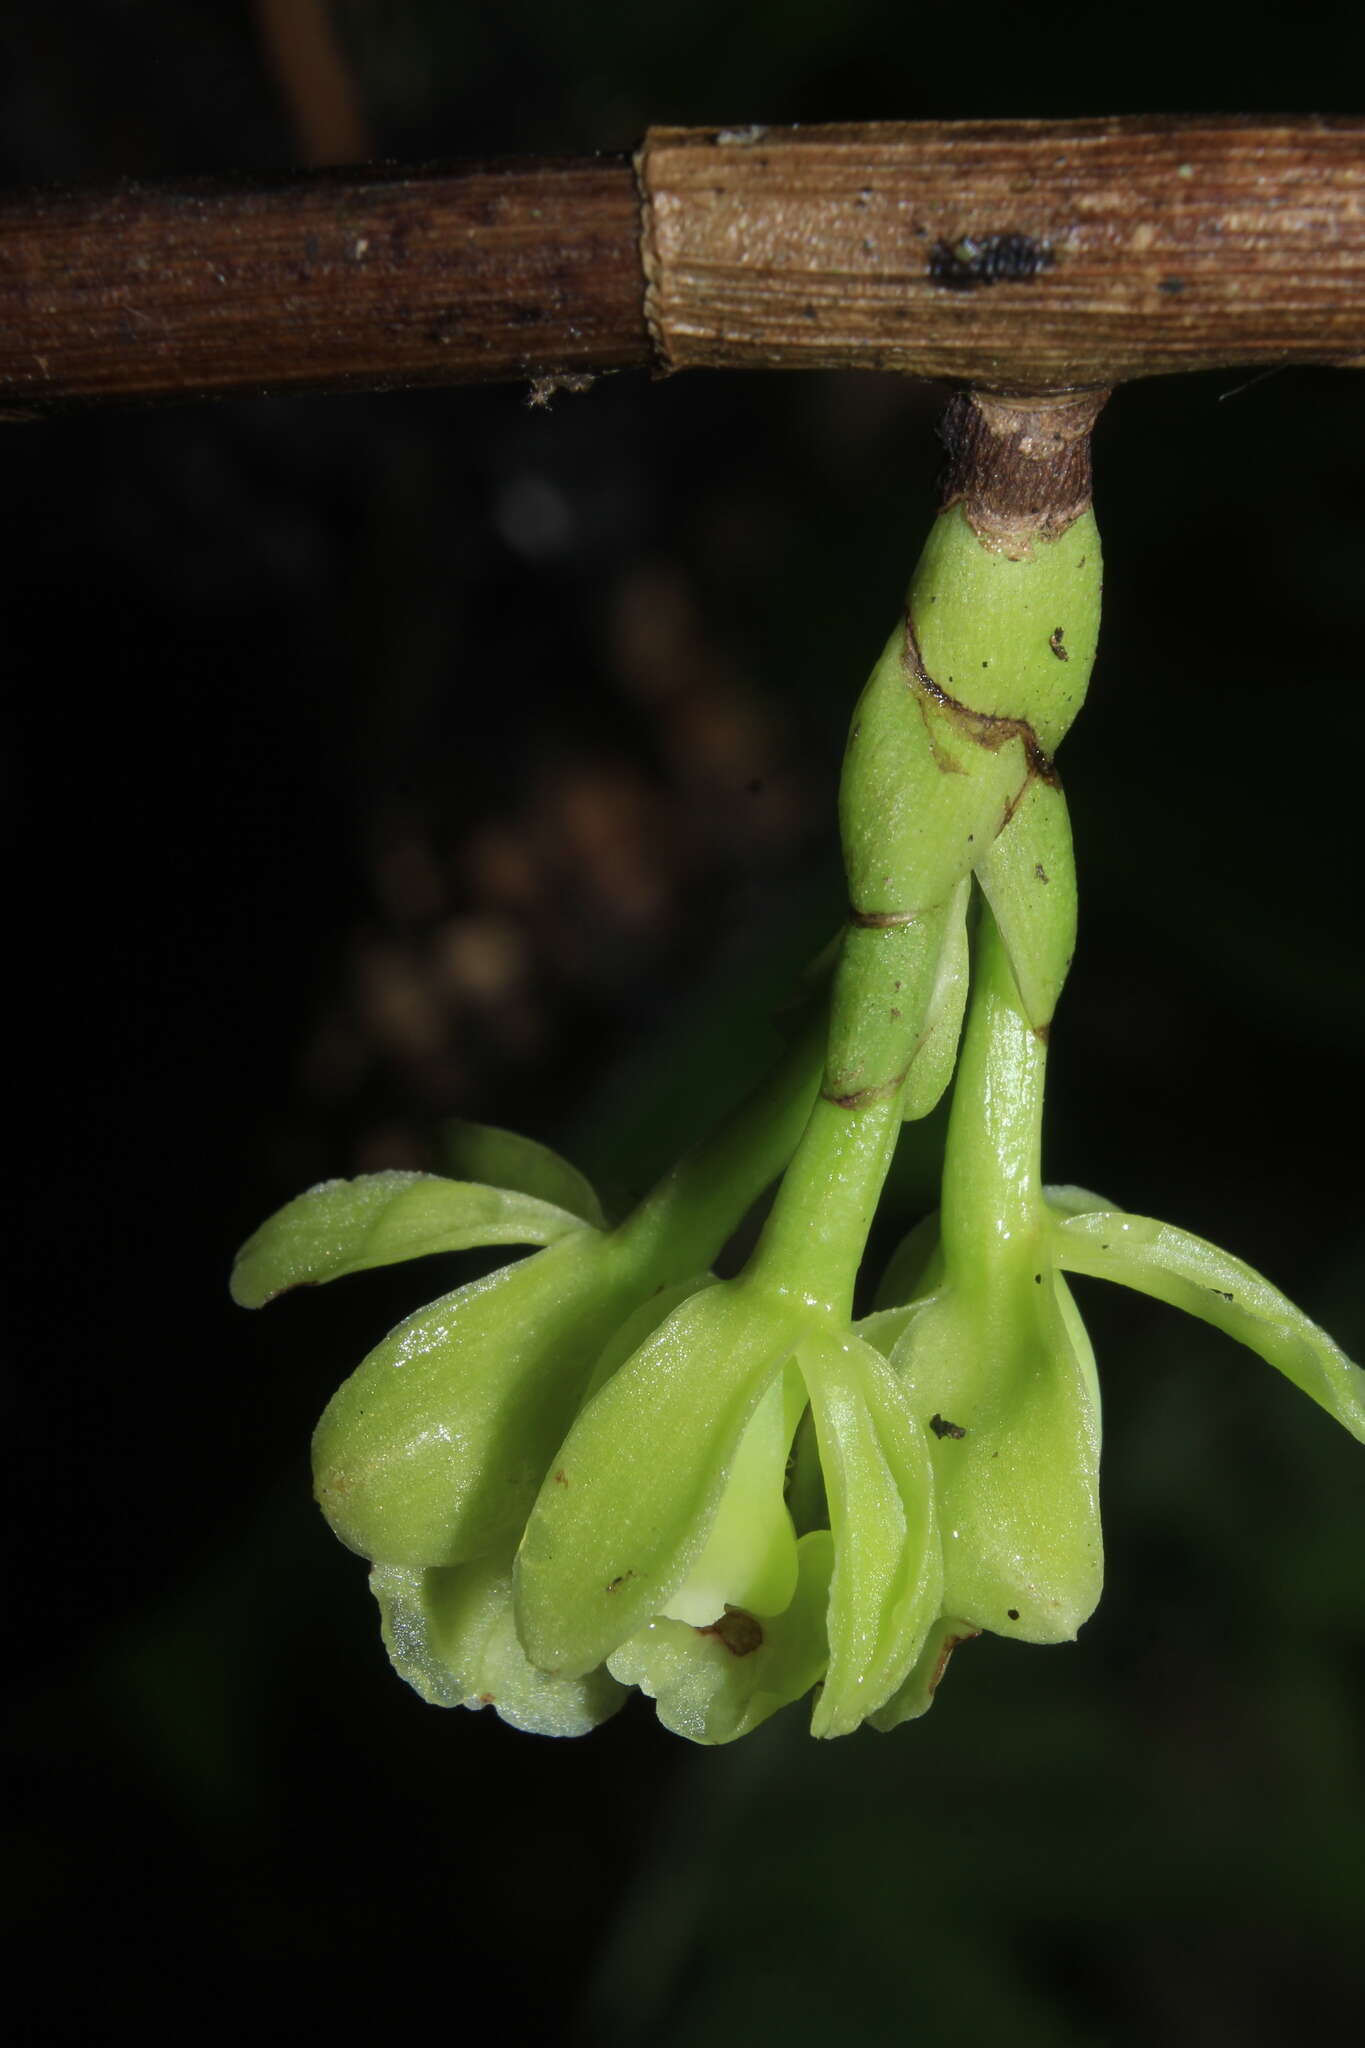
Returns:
point(628, 1505)
point(748, 1560)
point(432, 1451)
point(1010, 1399)
point(1184, 1270)
point(888, 1569)
point(349, 1226)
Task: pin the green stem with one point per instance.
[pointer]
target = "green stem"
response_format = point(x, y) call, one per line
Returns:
point(701, 1200)
point(812, 1242)
point(992, 1174)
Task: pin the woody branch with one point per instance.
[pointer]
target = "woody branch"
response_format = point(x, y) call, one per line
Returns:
point(1023, 256)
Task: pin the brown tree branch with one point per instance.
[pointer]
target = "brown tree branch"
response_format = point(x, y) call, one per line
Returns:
point(324, 281)
point(1018, 255)
point(1022, 255)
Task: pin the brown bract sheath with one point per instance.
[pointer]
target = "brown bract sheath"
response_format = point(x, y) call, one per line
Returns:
point(1019, 467)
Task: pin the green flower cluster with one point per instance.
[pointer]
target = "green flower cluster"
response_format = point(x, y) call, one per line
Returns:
point(601, 1468)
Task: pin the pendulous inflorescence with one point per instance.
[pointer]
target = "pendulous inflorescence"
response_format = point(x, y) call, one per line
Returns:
point(602, 1468)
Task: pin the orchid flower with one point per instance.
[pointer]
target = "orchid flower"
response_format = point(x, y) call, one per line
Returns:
point(600, 1467)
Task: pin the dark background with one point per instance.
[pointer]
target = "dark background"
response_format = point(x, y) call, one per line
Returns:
point(372, 759)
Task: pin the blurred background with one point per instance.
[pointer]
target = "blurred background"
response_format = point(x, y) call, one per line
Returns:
point(369, 760)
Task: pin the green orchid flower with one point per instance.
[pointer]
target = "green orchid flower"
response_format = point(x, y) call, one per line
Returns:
point(428, 1459)
point(990, 1348)
point(663, 1544)
point(600, 1467)
point(431, 1453)
point(644, 1453)
point(993, 1354)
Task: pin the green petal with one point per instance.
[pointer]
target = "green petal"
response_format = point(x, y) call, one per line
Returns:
point(640, 1325)
point(749, 1558)
point(432, 1451)
point(508, 1160)
point(888, 1569)
point(916, 1696)
point(449, 1633)
point(715, 1684)
point(347, 1226)
point(1176, 1267)
point(625, 1512)
point(1008, 1389)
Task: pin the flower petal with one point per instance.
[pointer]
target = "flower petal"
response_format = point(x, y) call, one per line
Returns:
point(635, 1486)
point(348, 1226)
point(748, 1560)
point(431, 1452)
point(485, 1152)
point(1184, 1270)
point(449, 1633)
point(1007, 1387)
point(717, 1683)
point(640, 1325)
point(888, 1568)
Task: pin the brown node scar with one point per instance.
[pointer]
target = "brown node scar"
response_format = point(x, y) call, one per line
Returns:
point(880, 920)
point(877, 1093)
point(992, 729)
point(1019, 467)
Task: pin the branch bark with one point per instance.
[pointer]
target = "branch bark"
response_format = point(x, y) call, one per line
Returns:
point(1020, 256)
point(1026, 256)
point(323, 281)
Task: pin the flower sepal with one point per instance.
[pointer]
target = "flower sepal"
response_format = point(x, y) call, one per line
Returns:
point(449, 1632)
point(381, 1219)
point(1005, 1386)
